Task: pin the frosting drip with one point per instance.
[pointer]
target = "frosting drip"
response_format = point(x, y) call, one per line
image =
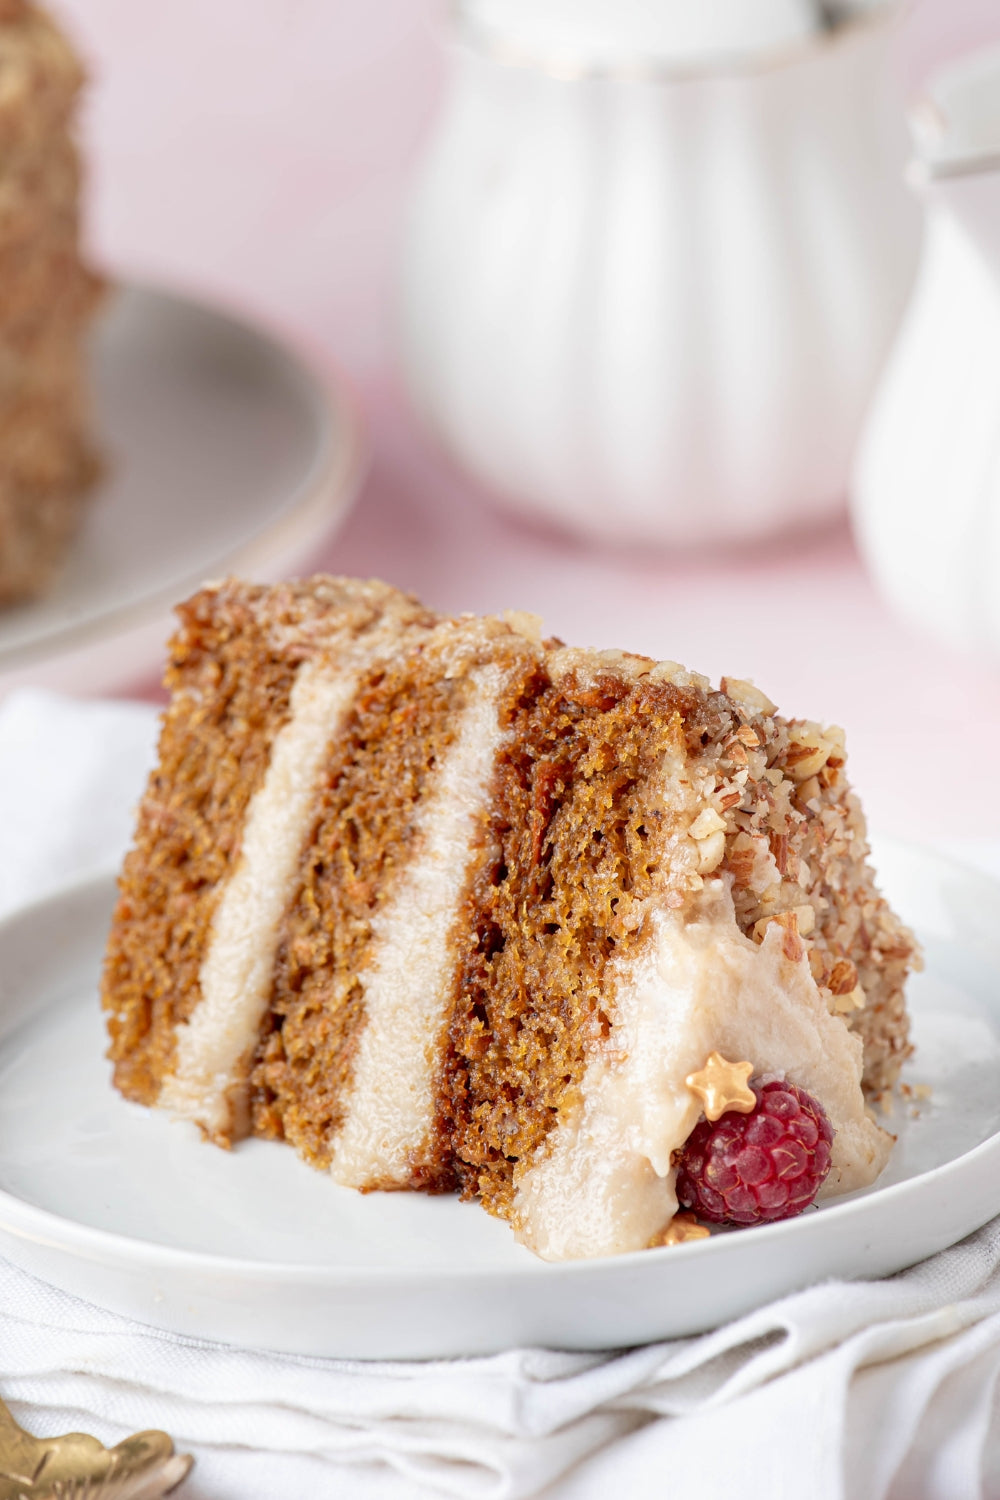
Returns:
point(606, 1182)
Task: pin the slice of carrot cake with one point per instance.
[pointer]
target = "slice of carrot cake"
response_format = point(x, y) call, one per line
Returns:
point(450, 906)
point(48, 458)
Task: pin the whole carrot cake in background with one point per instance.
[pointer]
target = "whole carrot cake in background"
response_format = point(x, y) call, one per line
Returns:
point(450, 906)
point(47, 298)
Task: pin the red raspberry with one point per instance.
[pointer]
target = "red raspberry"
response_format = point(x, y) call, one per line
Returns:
point(769, 1164)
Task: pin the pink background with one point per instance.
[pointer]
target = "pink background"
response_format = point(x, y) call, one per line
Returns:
point(260, 151)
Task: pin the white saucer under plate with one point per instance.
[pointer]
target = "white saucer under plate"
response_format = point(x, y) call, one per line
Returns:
point(131, 1210)
point(226, 453)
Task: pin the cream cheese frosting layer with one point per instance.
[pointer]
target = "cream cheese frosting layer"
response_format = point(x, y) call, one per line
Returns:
point(214, 1045)
point(606, 1181)
point(409, 986)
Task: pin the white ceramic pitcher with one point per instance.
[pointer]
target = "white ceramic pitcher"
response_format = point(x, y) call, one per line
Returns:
point(926, 491)
point(651, 272)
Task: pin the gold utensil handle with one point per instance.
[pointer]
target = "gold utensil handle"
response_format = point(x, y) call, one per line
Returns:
point(143, 1467)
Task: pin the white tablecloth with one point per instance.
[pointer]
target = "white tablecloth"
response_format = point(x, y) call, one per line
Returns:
point(849, 1391)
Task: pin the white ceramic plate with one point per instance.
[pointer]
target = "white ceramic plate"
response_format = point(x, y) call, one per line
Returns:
point(226, 454)
point(125, 1207)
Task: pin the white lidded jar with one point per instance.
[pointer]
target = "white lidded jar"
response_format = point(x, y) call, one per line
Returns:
point(926, 490)
point(655, 258)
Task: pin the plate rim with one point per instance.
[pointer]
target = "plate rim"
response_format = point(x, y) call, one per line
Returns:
point(27, 1221)
point(327, 495)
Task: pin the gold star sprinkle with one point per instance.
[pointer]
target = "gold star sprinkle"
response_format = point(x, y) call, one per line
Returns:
point(682, 1227)
point(722, 1085)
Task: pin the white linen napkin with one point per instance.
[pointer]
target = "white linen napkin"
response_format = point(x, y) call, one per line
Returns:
point(880, 1390)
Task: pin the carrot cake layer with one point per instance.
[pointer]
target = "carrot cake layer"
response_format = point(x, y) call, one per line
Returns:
point(447, 905)
point(365, 972)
